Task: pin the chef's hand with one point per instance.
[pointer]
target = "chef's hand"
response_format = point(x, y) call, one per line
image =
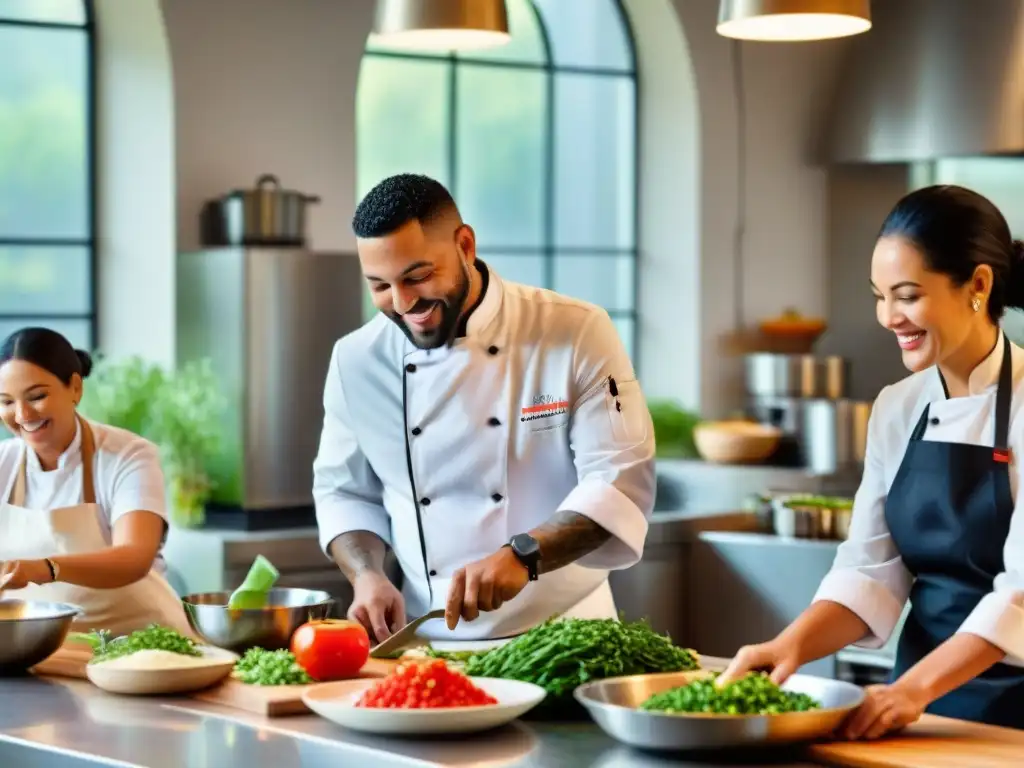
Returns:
point(780, 660)
point(18, 574)
point(484, 586)
point(377, 605)
point(886, 708)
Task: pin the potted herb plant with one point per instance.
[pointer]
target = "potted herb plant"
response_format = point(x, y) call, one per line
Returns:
point(178, 410)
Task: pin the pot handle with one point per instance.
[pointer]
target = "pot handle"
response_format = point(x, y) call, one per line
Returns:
point(311, 198)
point(267, 179)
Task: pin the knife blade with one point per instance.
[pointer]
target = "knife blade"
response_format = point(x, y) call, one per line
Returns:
point(403, 638)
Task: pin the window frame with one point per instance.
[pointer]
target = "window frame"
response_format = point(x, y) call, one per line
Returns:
point(548, 249)
point(88, 28)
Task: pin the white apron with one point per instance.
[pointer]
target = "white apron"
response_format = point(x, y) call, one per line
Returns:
point(34, 534)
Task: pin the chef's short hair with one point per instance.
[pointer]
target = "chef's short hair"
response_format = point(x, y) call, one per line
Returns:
point(398, 200)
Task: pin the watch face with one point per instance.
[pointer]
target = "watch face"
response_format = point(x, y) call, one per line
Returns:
point(525, 545)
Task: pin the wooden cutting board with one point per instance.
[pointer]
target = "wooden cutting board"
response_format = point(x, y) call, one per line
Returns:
point(932, 742)
point(270, 701)
point(276, 700)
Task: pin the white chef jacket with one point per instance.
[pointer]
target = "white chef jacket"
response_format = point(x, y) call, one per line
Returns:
point(447, 453)
point(126, 474)
point(868, 576)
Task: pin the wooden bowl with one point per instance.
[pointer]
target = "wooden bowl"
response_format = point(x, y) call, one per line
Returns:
point(736, 442)
point(792, 333)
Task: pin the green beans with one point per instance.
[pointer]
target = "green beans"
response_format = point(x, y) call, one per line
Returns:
point(152, 638)
point(753, 694)
point(262, 667)
point(561, 654)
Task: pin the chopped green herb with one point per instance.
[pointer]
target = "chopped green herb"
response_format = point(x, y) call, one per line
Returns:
point(262, 667)
point(753, 694)
point(152, 638)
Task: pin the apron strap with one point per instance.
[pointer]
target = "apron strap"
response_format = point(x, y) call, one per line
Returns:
point(922, 424)
point(1004, 392)
point(88, 451)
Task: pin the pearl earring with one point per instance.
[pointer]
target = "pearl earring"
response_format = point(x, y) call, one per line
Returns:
point(976, 303)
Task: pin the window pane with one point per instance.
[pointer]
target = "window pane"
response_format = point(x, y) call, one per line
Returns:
point(604, 280)
point(523, 268)
point(526, 45)
point(55, 11)
point(595, 182)
point(500, 164)
point(76, 331)
point(401, 119)
point(626, 327)
point(38, 280)
point(586, 33)
point(43, 187)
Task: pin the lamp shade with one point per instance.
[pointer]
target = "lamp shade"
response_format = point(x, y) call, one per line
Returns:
point(793, 20)
point(441, 25)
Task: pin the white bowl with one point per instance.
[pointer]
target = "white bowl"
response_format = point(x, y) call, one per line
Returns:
point(167, 680)
point(336, 702)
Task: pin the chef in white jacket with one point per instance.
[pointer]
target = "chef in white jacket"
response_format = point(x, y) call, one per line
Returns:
point(938, 518)
point(82, 518)
point(492, 434)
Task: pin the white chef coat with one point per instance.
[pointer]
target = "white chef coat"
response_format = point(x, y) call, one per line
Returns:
point(512, 423)
point(868, 575)
point(127, 477)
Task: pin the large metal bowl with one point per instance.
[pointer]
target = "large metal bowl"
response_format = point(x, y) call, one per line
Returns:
point(613, 703)
point(31, 631)
point(270, 627)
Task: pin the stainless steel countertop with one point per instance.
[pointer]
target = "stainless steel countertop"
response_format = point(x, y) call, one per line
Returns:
point(63, 722)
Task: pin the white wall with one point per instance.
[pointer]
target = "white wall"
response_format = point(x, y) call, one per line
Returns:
point(262, 85)
point(669, 237)
point(135, 170)
point(784, 253)
point(267, 86)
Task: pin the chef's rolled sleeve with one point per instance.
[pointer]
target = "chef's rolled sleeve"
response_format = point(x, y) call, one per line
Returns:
point(868, 575)
point(612, 439)
point(347, 493)
point(999, 617)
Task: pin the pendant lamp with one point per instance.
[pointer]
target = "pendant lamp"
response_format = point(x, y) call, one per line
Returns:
point(441, 25)
point(793, 20)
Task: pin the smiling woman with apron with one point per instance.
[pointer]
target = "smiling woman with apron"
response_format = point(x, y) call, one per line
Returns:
point(83, 518)
point(935, 519)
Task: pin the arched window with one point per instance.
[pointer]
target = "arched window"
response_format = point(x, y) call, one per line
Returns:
point(536, 141)
point(47, 240)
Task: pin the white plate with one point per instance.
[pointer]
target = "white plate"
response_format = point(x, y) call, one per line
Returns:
point(472, 646)
point(336, 702)
point(184, 679)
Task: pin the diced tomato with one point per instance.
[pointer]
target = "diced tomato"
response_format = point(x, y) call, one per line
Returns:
point(425, 685)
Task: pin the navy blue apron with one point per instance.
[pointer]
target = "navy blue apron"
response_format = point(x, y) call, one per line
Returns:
point(948, 511)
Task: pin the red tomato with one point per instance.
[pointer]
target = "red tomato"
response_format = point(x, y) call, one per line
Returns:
point(331, 649)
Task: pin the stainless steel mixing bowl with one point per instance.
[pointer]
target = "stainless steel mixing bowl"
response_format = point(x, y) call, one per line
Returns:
point(30, 631)
point(613, 703)
point(240, 629)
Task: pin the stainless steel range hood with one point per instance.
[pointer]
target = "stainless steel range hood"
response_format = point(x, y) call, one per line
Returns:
point(932, 79)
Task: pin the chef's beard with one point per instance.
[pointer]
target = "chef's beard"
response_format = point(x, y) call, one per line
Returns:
point(451, 309)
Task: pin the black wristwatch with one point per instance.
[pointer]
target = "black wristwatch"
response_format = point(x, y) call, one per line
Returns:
point(527, 549)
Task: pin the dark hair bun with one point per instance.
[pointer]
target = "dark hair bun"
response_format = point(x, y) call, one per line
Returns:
point(85, 361)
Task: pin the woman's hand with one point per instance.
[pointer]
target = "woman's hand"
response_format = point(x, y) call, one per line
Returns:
point(18, 574)
point(777, 657)
point(887, 708)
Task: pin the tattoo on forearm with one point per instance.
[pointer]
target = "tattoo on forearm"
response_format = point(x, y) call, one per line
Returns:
point(358, 552)
point(567, 537)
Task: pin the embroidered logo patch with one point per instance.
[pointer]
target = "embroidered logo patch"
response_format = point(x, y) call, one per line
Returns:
point(544, 407)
